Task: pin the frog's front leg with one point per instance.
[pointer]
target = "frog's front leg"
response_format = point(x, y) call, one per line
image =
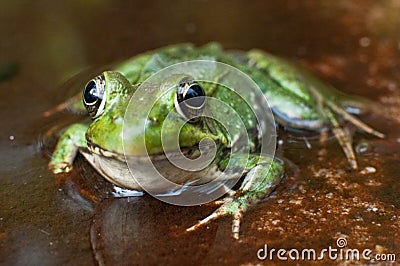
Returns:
point(67, 147)
point(263, 175)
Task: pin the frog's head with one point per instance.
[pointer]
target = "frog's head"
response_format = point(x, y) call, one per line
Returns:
point(107, 98)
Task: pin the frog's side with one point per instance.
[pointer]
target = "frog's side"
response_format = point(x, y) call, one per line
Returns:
point(298, 100)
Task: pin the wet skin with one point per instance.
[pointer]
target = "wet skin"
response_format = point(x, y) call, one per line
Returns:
point(298, 100)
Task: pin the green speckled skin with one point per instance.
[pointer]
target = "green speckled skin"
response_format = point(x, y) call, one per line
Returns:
point(286, 91)
point(297, 99)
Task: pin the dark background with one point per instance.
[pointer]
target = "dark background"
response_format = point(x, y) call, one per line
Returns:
point(355, 45)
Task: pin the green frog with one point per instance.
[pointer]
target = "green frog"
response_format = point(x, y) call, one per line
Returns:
point(298, 100)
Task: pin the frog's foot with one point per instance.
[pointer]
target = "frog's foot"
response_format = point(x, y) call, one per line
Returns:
point(60, 167)
point(63, 164)
point(230, 195)
point(263, 175)
point(345, 142)
point(223, 210)
point(344, 137)
point(331, 111)
point(355, 121)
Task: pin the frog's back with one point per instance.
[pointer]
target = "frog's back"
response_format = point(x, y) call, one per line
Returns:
point(286, 87)
point(140, 67)
point(297, 98)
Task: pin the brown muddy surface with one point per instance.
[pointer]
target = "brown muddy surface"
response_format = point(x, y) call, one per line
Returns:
point(355, 45)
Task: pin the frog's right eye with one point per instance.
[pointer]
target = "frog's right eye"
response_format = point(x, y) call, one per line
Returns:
point(189, 99)
point(93, 96)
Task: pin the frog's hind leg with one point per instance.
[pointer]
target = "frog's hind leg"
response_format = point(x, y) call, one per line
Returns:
point(355, 121)
point(343, 136)
point(330, 109)
point(259, 182)
point(223, 210)
point(344, 139)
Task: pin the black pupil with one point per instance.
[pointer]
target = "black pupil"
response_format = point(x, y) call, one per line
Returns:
point(195, 96)
point(91, 93)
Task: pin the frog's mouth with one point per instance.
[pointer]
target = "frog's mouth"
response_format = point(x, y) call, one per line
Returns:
point(113, 167)
point(188, 152)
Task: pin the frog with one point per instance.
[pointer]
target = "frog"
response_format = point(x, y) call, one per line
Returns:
point(298, 100)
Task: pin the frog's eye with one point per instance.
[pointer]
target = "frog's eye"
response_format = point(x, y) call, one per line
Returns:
point(189, 99)
point(93, 96)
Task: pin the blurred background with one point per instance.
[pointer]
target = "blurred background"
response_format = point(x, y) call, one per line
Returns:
point(353, 45)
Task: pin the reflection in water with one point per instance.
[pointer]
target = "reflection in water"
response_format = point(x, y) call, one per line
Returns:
point(135, 230)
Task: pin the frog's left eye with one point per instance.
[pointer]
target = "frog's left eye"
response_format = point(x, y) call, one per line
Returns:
point(189, 99)
point(93, 96)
